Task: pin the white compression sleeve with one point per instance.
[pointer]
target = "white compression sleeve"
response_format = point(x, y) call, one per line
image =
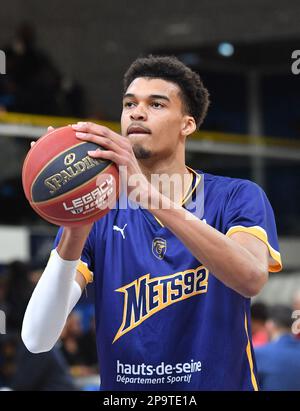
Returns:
point(50, 304)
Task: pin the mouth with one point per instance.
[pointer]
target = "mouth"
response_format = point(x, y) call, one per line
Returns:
point(137, 130)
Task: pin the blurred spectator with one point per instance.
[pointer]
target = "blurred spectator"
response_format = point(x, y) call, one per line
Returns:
point(75, 354)
point(258, 324)
point(8, 347)
point(296, 307)
point(33, 84)
point(8, 91)
point(18, 293)
point(88, 346)
point(15, 291)
point(20, 369)
point(278, 362)
point(296, 300)
point(41, 372)
point(3, 292)
point(74, 347)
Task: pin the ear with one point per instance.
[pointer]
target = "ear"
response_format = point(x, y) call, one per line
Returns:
point(188, 126)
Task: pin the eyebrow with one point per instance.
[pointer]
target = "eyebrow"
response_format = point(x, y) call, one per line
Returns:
point(152, 96)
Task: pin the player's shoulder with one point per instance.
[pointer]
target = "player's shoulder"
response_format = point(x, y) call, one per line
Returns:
point(227, 184)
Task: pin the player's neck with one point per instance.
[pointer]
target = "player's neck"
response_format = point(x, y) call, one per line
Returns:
point(160, 169)
point(177, 172)
point(170, 165)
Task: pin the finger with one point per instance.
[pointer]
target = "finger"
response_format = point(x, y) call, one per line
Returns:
point(101, 141)
point(103, 131)
point(32, 143)
point(106, 155)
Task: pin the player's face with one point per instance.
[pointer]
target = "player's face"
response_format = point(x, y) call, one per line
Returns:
point(153, 117)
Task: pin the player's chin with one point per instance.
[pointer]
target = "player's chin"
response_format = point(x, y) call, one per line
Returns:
point(141, 151)
point(140, 138)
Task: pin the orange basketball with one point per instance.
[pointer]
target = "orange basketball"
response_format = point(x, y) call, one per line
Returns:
point(66, 186)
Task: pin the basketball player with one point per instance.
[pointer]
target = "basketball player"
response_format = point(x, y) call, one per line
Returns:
point(173, 282)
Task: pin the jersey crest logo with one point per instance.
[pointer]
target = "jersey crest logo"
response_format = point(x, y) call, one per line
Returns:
point(159, 247)
point(146, 296)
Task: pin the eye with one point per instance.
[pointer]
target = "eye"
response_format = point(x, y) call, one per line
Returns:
point(128, 104)
point(156, 104)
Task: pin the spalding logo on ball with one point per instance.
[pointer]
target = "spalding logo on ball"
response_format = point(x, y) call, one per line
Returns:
point(66, 186)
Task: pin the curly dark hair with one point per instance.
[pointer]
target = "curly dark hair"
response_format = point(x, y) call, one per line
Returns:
point(194, 95)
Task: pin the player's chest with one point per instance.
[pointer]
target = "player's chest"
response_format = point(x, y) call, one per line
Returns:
point(139, 245)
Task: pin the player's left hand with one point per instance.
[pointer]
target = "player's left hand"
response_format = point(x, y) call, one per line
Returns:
point(119, 150)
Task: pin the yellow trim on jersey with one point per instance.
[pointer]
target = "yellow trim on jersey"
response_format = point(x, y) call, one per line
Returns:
point(198, 179)
point(83, 269)
point(159, 222)
point(249, 356)
point(189, 191)
point(275, 263)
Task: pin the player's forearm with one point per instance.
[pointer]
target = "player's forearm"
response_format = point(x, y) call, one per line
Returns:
point(72, 242)
point(231, 263)
point(51, 302)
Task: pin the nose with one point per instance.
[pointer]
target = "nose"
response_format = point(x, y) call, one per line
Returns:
point(138, 113)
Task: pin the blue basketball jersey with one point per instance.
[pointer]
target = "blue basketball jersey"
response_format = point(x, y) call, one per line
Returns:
point(163, 321)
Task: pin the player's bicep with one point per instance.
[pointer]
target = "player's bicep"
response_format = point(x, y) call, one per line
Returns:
point(255, 246)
